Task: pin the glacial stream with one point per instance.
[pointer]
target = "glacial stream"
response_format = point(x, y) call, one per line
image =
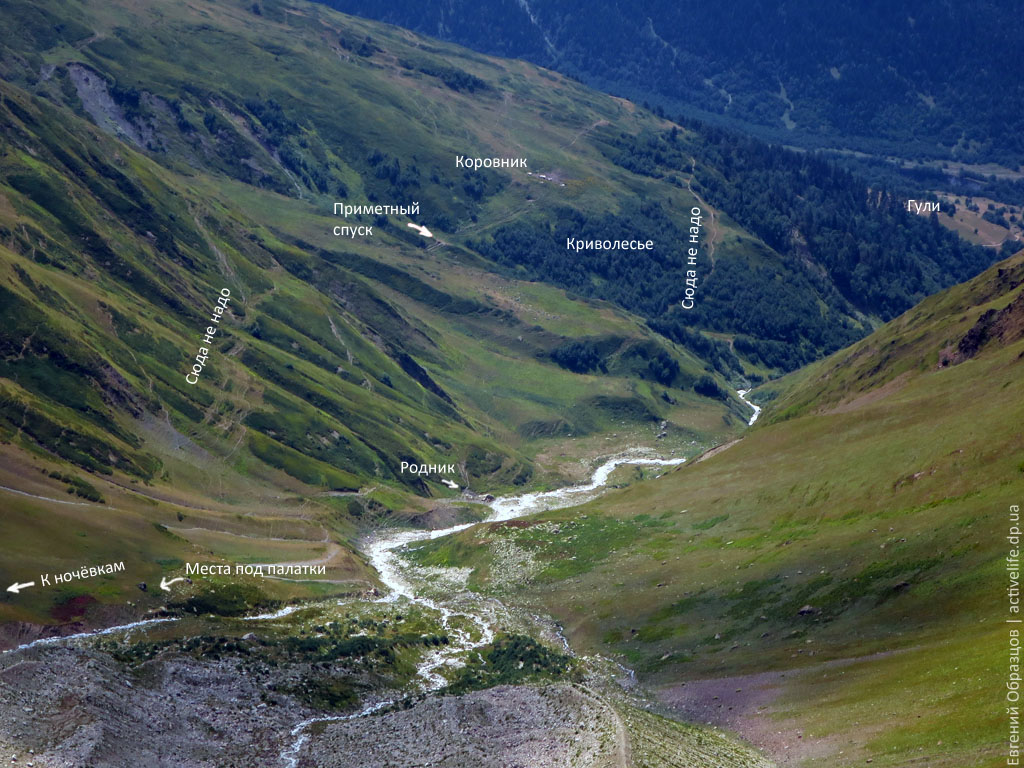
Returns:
point(384, 551)
point(465, 607)
point(469, 619)
point(757, 408)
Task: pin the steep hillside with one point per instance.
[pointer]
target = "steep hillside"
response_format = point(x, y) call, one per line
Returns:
point(128, 210)
point(833, 584)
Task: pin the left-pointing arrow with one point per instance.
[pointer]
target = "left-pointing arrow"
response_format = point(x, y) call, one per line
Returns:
point(165, 583)
point(16, 587)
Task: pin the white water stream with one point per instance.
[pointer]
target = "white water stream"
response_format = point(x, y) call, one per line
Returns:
point(383, 552)
point(468, 627)
point(757, 408)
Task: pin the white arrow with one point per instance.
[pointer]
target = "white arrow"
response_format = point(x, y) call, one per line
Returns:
point(165, 585)
point(422, 230)
point(16, 587)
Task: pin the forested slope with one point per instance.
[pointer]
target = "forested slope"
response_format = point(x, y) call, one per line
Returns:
point(916, 79)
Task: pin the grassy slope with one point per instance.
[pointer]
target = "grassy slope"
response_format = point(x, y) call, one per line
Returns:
point(112, 254)
point(876, 492)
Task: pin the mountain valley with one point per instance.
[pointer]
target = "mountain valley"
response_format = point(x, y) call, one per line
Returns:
point(365, 399)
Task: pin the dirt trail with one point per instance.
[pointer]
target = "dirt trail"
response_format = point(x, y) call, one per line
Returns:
point(55, 501)
point(585, 131)
point(712, 219)
point(623, 751)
